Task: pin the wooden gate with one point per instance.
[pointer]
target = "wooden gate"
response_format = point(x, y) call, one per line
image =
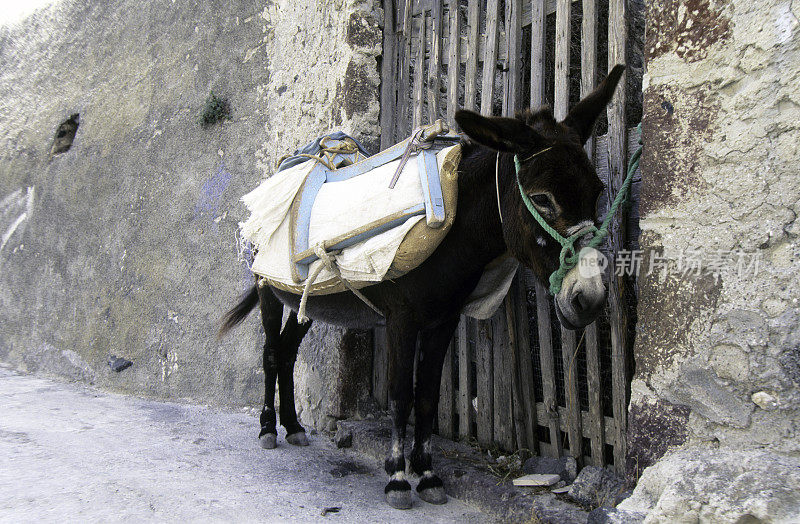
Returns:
point(518, 381)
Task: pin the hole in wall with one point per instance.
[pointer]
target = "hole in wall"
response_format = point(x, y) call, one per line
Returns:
point(65, 134)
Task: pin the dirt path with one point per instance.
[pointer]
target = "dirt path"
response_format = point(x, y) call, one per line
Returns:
point(74, 453)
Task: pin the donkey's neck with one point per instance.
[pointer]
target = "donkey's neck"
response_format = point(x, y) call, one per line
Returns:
point(478, 218)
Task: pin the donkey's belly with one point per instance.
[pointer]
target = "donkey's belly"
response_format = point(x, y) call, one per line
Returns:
point(341, 309)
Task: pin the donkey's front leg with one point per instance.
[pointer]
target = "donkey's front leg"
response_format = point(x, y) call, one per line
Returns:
point(401, 338)
point(433, 346)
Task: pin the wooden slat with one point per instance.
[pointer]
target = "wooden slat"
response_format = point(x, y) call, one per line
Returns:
point(490, 57)
point(446, 394)
point(524, 359)
point(595, 420)
point(513, 74)
point(501, 353)
point(617, 42)
point(404, 76)
point(548, 367)
point(609, 424)
point(464, 380)
point(419, 75)
point(569, 358)
point(471, 71)
point(388, 76)
point(380, 367)
point(453, 68)
point(435, 60)
point(589, 57)
point(538, 35)
point(485, 382)
point(561, 92)
point(588, 79)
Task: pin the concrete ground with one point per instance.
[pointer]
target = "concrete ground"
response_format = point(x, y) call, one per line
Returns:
point(74, 453)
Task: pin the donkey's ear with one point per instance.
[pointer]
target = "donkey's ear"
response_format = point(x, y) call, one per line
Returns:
point(584, 115)
point(499, 133)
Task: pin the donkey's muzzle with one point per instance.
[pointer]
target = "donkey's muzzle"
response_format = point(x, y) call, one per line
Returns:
point(583, 293)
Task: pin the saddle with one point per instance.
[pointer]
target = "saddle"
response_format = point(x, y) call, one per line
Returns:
point(332, 218)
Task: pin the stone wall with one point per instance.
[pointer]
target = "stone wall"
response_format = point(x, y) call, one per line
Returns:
point(126, 244)
point(718, 350)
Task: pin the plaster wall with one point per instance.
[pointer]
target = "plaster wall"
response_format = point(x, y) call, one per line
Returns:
point(127, 244)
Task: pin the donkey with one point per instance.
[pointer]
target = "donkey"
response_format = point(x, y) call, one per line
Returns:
point(423, 306)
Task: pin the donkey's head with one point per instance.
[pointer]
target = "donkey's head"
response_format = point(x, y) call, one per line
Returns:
point(561, 186)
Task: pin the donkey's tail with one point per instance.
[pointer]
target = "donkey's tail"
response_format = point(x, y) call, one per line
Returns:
point(239, 312)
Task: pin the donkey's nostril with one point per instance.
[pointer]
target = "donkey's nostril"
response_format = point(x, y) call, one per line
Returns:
point(578, 302)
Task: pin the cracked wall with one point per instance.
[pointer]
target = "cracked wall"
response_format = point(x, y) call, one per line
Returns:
point(717, 349)
point(126, 244)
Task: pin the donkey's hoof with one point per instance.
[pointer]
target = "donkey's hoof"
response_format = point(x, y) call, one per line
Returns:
point(297, 439)
point(433, 495)
point(399, 499)
point(268, 440)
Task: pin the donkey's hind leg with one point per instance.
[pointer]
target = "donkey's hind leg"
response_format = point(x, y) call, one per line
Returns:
point(293, 333)
point(271, 313)
point(433, 346)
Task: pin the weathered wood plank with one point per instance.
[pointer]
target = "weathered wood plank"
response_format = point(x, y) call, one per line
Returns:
point(435, 61)
point(445, 416)
point(524, 359)
point(454, 67)
point(380, 367)
point(388, 76)
point(548, 367)
point(561, 92)
point(490, 57)
point(595, 420)
point(608, 424)
point(471, 71)
point(617, 155)
point(522, 369)
point(501, 353)
point(485, 382)
point(419, 75)
point(538, 38)
point(589, 57)
point(513, 73)
point(464, 380)
point(404, 77)
point(569, 354)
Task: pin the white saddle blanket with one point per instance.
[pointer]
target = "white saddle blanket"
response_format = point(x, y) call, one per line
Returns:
point(339, 207)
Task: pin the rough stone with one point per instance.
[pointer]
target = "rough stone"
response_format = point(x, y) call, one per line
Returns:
point(118, 363)
point(537, 479)
point(565, 467)
point(343, 438)
point(765, 400)
point(707, 484)
point(721, 128)
point(614, 516)
point(597, 487)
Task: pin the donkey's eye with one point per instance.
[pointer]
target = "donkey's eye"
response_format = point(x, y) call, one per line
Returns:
point(544, 204)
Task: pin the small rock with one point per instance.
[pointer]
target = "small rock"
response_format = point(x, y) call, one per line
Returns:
point(765, 400)
point(537, 479)
point(566, 467)
point(597, 487)
point(118, 363)
point(614, 516)
point(343, 438)
point(562, 489)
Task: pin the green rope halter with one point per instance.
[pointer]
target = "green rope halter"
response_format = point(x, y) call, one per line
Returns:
point(568, 258)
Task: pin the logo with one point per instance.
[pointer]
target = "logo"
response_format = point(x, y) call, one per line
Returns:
point(591, 263)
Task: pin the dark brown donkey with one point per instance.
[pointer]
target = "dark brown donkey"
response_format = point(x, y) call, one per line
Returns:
point(424, 304)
